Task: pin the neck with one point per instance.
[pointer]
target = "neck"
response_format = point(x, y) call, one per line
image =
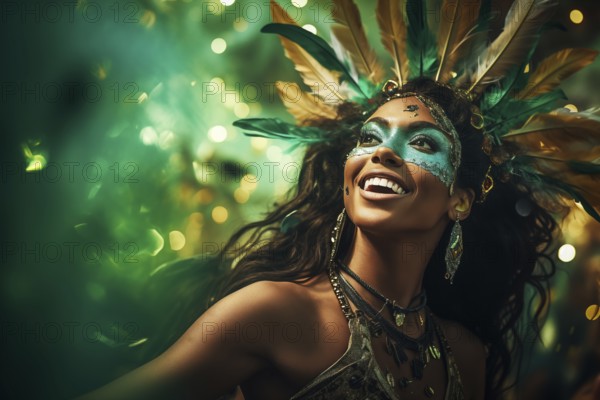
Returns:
point(394, 267)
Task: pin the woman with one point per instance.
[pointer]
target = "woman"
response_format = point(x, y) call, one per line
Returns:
point(398, 267)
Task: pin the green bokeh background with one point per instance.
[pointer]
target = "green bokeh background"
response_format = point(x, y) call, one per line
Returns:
point(116, 100)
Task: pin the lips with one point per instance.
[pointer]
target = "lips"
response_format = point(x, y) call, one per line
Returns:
point(380, 182)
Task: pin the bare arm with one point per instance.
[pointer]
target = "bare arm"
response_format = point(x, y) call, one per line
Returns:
point(210, 359)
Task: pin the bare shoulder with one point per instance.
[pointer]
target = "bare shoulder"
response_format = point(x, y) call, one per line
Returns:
point(259, 301)
point(470, 355)
point(250, 316)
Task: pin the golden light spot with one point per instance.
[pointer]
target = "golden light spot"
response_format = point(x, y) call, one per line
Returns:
point(157, 241)
point(592, 312)
point(217, 133)
point(36, 163)
point(100, 72)
point(176, 240)
point(197, 217)
point(576, 16)
point(453, 74)
point(148, 135)
point(548, 334)
point(571, 107)
point(219, 214)
point(241, 110)
point(299, 3)
point(142, 97)
point(259, 143)
point(218, 45)
point(526, 70)
point(566, 253)
point(240, 25)
point(310, 28)
point(249, 182)
point(241, 195)
point(204, 196)
point(148, 19)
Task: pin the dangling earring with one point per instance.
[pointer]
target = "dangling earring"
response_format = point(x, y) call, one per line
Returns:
point(336, 234)
point(454, 250)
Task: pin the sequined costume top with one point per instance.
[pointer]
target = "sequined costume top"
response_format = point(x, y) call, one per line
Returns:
point(357, 376)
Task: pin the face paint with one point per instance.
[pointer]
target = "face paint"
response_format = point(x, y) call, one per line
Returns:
point(421, 143)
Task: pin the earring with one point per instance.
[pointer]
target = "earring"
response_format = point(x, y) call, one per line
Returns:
point(454, 250)
point(336, 234)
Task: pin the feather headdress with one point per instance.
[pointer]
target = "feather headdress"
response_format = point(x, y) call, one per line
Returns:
point(557, 152)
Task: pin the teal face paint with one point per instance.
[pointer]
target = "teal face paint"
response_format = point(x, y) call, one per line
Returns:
point(421, 143)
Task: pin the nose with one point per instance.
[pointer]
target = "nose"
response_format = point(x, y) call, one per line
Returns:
point(386, 156)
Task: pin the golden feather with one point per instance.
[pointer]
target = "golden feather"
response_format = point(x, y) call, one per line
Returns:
point(521, 26)
point(323, 82)
point(554, 68)
point(390, 17)
point(279, 15)
point(559, 136)
point(351, 35)
point(457, 20)
point(553, 141)
point(585, 184)
point(303, 106)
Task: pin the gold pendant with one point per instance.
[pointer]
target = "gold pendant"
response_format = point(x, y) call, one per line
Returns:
point(429, 392)
point(390, 379)
point(434, 351)
point(399, 318)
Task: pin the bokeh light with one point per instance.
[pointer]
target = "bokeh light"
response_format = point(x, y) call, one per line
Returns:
point(576, 16)
point(217, 133)
point(218, 45)
point(219, 214)
point(592, 312)
point(566, 253)
point(176, 240)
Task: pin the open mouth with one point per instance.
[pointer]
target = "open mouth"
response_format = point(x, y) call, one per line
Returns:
point(382, 184)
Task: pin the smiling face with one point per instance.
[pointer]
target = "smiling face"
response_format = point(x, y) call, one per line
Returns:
point(399, 174)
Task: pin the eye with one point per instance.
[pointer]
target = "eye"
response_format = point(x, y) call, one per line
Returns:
point(368, 139)
point(424, 142)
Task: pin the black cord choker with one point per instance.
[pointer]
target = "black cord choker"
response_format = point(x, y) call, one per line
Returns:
point(398, 312)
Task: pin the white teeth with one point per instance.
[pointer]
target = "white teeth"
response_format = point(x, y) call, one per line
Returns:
point(384, 182)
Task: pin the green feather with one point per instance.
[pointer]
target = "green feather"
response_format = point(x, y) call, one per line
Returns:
point(316, 47)
point(511, 112)
point(274, 128)
point(421, 46)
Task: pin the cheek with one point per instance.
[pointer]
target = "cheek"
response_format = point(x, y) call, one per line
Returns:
point(436, 165)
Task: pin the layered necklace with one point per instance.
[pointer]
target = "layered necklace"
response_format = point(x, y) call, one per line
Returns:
point(396, 342)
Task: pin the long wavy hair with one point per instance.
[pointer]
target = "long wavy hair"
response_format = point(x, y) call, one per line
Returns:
point(507, 239)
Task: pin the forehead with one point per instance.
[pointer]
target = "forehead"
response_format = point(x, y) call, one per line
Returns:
point(403, 111)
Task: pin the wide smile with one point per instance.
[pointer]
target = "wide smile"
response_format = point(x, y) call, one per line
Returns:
point(382, 185)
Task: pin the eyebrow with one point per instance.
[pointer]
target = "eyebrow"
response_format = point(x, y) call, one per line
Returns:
point(413, 126)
